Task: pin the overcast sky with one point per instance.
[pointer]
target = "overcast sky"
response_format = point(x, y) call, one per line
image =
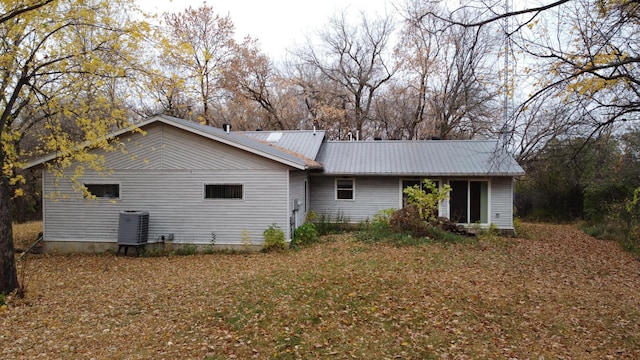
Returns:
point(277, 24)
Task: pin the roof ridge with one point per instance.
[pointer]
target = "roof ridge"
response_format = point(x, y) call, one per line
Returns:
point(411, 141)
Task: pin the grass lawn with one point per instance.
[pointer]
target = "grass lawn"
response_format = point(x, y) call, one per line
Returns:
point(560, 294)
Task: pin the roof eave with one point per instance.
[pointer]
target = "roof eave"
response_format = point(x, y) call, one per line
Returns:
point(496, 174)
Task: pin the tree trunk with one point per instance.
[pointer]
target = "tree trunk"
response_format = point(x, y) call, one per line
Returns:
point(8, 274)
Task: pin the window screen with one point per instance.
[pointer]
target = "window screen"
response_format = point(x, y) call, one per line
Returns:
point(223, 191)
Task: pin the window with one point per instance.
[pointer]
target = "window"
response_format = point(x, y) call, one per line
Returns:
point(469, 201)
point(412, 182)
point(108, 191)
point(223, 191)
point(305, 195)
point(344, 189)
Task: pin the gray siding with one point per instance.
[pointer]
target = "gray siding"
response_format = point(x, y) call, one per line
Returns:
point(297, 192)
point(164, 173)
point(372, 194)
point(173, 209)
point(501, 212)
point(165, 147)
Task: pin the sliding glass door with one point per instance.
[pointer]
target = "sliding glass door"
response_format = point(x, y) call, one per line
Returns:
point(469, 201)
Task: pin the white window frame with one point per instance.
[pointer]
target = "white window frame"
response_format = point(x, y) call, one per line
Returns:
point(107, 198)
point(204, 191)
point(353, 189)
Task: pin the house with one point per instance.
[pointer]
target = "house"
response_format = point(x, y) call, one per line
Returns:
point(203, 185)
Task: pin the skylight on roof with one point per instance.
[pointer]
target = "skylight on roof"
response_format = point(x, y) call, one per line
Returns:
point(274, 137)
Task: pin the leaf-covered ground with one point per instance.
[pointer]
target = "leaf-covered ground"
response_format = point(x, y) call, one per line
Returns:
point(561, 295)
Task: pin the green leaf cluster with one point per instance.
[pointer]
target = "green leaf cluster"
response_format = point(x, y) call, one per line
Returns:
point(273, 238)
point(427, 198)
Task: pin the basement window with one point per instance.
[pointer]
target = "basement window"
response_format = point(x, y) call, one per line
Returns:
point(106, 191)
point(223, 191)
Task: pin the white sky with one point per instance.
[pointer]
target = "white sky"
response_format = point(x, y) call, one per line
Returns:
point(277, 24)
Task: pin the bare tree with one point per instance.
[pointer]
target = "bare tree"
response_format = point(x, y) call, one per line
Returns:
point(255, 83)
point(355, 59)
point(583, 52)
point(448, 71)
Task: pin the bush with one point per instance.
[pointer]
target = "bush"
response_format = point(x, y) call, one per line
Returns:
point(305, 234)
point(427, 198)
point(325, 225)
point(273, 238)
point(520, 230)
point(186, 249)
point(409, 220)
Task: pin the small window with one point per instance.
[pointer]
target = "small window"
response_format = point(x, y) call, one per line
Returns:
point(223, 191)
point(108, 191)
point(344, 189)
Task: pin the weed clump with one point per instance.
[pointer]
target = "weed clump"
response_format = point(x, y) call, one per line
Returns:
point(273, 238)
point(305, 234)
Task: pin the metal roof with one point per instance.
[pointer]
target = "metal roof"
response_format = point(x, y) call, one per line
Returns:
point(304, 142)
point(417, 158)
point(307, 149)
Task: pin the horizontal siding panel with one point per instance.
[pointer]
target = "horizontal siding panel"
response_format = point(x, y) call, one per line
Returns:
point(372, 194)
point(166, 147)
point(137, 150)
point(176, 204)
point(184, 150)
point(502, 202)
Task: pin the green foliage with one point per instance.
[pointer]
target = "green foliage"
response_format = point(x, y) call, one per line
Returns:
point(490, 233)
point(154, 251)
point(312, 216)
point(404, 227)
point(383, 218)
point(595, 230)
point(577, 178)
point(325, 225)
point(273, 238)
point(520, 230)
point(210, 249)
point(186, 249)
point(379, 229)
point(450, 237)
point(633, 206)
point(3, 298)
point(246, 238)
point(427, 198)
point(305, 234)
point(621, 224)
